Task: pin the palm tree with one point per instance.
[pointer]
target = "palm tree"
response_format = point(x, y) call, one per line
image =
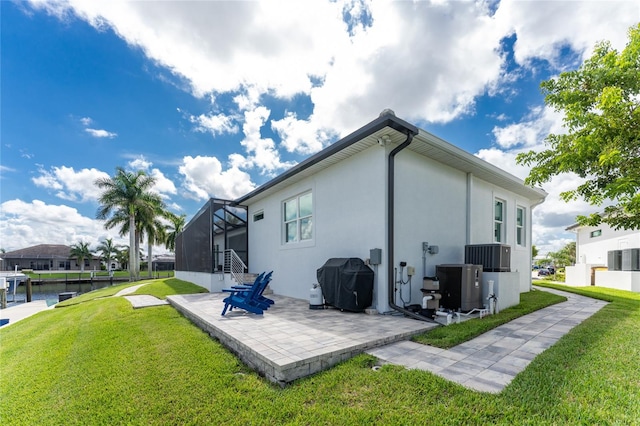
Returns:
point(147, 223)
point(176, 227)
point(154, 229)
point(108, 251)
point(122, 256)
point(127, 193)
point(80, 252)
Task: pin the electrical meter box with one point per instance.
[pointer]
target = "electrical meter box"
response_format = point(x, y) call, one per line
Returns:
point(375, 256)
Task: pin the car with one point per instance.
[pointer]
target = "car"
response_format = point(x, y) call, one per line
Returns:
point(543, 272)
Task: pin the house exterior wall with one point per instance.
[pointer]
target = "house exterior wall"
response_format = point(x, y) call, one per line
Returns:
point(593, 249)
point(430, 207)
point(445, 207)
point(481, 217)
point(434, 203)
point(348, 221)
point(49, 264)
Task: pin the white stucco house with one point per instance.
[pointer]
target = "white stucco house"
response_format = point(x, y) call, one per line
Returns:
point(390, 186)
point(593, 244)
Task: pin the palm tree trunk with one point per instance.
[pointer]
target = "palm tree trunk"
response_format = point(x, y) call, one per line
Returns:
point(132, 247)
point(149, 249)
point(137, 256)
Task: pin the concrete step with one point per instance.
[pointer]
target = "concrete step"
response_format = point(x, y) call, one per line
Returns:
point(250, 278)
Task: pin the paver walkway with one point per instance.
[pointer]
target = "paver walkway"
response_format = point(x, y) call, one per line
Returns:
point(489, 362)
point(140, 300)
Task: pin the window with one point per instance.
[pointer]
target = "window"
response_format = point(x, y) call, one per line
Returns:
point(298, 218)
point(520, 229)
point(258, 216)
point(498, 221)
point(596, 233)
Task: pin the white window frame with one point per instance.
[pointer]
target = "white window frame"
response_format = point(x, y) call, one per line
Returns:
point(521, 229)
point(499, 224)
point(298, 221)
point(259, 215)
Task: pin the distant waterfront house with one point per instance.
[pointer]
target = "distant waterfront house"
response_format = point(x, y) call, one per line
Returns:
point(164, 262)
point(45, 257)
point(384, 194)
point(593, 243)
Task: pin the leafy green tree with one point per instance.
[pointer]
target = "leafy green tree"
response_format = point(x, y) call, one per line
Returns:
point(175, 228)
point(565, 256)
point(534, 252)
point(601, 106)
point(127, 193)
point(80, 251)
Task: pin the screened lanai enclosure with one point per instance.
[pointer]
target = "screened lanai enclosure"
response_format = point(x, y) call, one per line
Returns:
point(219, 226)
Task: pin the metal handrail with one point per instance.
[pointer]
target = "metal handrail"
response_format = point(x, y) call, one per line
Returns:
point(234, 265)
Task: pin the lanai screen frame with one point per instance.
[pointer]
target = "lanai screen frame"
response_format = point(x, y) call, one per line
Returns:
point(218, 225)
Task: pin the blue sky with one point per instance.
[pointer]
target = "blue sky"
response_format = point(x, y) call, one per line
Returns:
point(216, 98)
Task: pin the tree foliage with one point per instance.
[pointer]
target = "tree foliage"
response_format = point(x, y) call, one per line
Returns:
point(175, 228)
point(80, 251)
point(108, 250)
point(126, 196)
point(566, 256)
point(601, 106)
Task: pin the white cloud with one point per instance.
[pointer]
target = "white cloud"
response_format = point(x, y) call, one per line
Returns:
point(216, 124)
point(261, 152)
point(139, 163)
point(219, 45)
point(163, 185)
point(23, 224)
point(531, 130)
point(301, 136)
point(544, 31)
point(428, 61)
point(69, 184)
point(86, 121)
point(204, 178)
point(100, 133)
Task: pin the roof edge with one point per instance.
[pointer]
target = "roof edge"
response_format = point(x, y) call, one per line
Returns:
point(386, 119)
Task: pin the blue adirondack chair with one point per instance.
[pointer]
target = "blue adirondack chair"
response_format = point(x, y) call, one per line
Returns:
point(258, 295)
point(247, 298)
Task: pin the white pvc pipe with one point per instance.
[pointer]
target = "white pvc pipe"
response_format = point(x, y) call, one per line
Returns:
point(434, 296)
point(424, 301)
point(449, 316)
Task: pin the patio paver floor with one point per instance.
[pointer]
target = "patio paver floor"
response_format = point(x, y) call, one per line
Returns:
point(291, 341)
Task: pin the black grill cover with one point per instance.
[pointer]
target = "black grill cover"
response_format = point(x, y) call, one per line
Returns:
point(347, 283)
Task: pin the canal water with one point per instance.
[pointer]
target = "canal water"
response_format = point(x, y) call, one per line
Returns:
point(51, 291)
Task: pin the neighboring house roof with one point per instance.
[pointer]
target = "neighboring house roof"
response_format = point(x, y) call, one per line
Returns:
point(41, 251)
point(389, 128)
point(164, 258)
point(573, 227)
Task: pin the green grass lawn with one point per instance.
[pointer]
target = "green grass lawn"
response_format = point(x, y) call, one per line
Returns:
point(447, 337)
point(102, 362)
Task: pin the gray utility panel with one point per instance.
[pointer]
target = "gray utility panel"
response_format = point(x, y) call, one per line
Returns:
point(614, 260)
point(460, 286)
point(492, 257)
point(631, 259)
